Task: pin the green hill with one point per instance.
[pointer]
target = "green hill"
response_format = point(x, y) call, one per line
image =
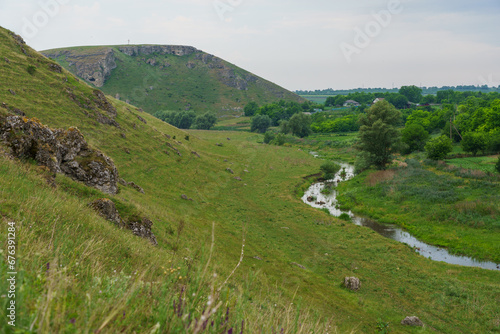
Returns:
point(214, 198)
point(169, 77)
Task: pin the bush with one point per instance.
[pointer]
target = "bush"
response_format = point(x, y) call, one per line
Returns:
point(268, 137)
point(497, 166)
point(279, 140)
point(31, 69)
point(438, 148)
point(329, 168)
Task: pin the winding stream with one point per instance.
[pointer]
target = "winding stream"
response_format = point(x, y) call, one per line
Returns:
point(315, 198)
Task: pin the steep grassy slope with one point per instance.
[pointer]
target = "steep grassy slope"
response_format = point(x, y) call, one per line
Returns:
point(78, 273)
point(169, 78)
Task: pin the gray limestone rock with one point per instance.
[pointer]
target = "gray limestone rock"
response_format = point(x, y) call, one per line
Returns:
point(412, 321)
point(352, 283)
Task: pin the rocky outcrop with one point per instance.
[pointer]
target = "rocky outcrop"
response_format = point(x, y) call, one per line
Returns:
point(142, 228)
point(94, 66)
point(412, 321)
point(177, 50)
point(103, 103)
point(228, 77)
point(106, 208)
point(352, 283)
point(62, 151)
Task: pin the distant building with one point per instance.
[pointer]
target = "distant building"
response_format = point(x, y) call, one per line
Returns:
point(378, 99)
point(351, 103)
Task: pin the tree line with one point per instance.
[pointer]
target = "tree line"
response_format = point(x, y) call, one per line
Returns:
point(425, 90)
point(187, 119)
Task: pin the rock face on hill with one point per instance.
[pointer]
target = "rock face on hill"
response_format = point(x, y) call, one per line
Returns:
point(94, 66)
point(177, 50)
point(62, 151)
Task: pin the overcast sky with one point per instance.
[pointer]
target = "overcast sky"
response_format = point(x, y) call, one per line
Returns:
point(297, 44)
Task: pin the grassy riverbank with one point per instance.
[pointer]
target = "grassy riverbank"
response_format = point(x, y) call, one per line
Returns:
point(444, 206)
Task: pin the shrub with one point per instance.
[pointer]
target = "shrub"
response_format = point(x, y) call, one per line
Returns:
point(438, 148)
point(497, 166)
point(268, 137)
point(31, 69)
point(329, 168)
point(279, 140)
point(345, 216)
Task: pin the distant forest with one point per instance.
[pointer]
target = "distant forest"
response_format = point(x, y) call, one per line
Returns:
point(425, 90)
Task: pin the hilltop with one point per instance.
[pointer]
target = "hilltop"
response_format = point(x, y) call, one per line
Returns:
point(169, 77)
point(216, 203)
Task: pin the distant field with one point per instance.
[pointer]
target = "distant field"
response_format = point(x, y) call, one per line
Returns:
point(316, 98)
point(486, 164)
point(233, 124)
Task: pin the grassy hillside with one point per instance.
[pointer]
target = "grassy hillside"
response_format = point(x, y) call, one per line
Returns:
point(79, 273)
point(157, 81)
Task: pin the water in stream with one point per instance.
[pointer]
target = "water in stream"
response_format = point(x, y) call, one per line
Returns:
point(315, 198)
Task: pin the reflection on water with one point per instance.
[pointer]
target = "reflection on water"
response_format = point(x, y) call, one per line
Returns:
point(315, 198)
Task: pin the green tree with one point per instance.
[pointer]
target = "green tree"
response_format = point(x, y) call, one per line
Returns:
point(415, 136)
point(205, 121)
point(300, 125)
point(398, 100)
point(412, 93)
point(184, 119)
point(378, 136)
point(474, 142)
point(430, 98)
point(438, 148)
point(330, 101)
point(260, 123)
point(497, 166)
point(251, 108)
point(420, 117)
